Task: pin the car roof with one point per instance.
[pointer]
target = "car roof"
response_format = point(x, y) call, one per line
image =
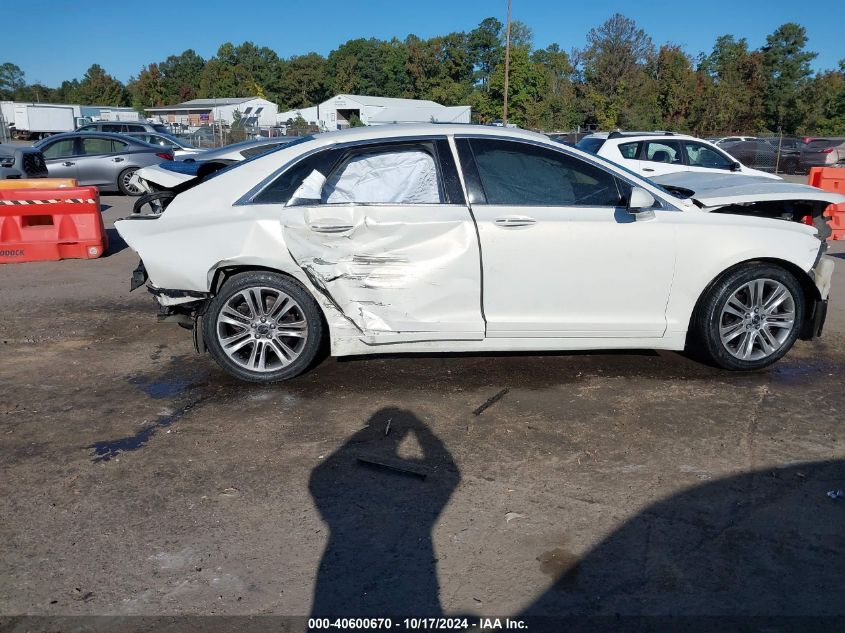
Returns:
point(410, 130)
point(110, 135)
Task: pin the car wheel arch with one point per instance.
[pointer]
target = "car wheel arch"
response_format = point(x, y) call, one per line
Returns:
point(222, 272)
point(811, 293)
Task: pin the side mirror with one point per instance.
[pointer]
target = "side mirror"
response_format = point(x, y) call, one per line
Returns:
point(736, 167)
point(640, 200)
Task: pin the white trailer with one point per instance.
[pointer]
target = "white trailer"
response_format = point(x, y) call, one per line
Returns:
point(34, 121)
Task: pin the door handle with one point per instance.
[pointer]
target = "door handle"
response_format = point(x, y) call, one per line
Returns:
point(330, 228)
point(118, 159)
point(68, 164)
point(647, 169)
point(513, 221)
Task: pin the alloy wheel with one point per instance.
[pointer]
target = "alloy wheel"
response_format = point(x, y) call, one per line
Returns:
point(757, 319)
point(262, 329)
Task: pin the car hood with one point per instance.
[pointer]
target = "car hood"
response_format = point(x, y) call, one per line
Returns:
point(716, 190)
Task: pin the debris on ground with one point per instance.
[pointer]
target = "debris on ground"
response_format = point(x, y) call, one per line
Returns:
point(836, 494)
point(394, 464)
point(514, 515)
point(491, 401)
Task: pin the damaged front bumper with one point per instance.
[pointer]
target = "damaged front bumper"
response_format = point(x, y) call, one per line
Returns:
point(821, 274)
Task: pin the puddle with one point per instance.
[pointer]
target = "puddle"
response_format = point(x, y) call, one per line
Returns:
point(109, 449)
point(181, 377)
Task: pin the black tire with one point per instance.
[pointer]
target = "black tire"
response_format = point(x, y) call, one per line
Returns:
point(790, 166)
point(121, 182)
point(709, 316)
point(306, 309)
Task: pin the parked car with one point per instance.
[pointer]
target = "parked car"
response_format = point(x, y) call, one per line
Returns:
point(657, 153)
point(765, 155)
point(21, 162)
point(123, 127)
point(180, 147)
point(107, 161)
point(823, 152)
point(364, 240)
point(203, 164)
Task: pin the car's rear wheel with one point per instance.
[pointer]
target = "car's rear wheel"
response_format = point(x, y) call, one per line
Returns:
point(263, 327)
point(751, 317)
point(127, 188)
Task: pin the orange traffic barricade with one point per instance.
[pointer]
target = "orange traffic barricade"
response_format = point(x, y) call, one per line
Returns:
point(831, 179)
point(51, 224)
point(38, 183)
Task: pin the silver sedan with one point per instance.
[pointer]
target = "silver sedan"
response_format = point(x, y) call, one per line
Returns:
point(107, 161)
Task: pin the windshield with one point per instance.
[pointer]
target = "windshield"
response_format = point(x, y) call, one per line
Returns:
point(161, 128)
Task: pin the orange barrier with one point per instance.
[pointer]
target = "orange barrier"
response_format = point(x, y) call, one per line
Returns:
point(38, 183)
point(831, 179)
point(51, 224)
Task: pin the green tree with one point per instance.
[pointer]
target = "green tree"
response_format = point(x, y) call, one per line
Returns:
point(557, 105)
point(731, 89)
point(99, 88)
point(787, 70)
point(147, 90)
point(676, 87)
point(617, 88)
point(11, 80)
point(824, 104)
point(485, 50)
point(526, 86)
point(180, 76)
point(303, 81)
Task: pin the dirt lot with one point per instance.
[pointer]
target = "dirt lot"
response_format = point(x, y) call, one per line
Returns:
point(136, 478)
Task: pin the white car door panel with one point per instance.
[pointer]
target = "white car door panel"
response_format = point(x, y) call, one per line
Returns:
point(566, 270)
point(397, 262)
point(575, 272)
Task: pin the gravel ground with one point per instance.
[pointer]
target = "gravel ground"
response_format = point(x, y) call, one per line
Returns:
point(137, 479)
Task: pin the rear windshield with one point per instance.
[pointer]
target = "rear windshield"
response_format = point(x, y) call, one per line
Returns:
point(592, 145)
point(823, 143)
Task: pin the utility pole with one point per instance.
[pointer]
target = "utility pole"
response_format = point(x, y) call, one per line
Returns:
point(507, 65)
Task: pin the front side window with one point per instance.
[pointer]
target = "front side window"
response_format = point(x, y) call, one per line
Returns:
point(394, 176)
point(515, 173)
point(700, 155)
point(664, 152)
point(630, 150)
point(59, 149)
point(136, 128)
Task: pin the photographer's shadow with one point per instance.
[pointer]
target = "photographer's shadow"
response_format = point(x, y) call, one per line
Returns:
point(381, 509)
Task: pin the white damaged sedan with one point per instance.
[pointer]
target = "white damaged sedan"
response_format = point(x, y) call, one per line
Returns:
point(444, 238)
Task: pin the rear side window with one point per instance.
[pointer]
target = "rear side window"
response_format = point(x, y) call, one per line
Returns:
point(630, 150)
point(283, 187)
point(92, 146)
point(520, 174)
point(592, 145)
point(392, 176)
point(664, 152)
point(136, 128)
point(112, 127)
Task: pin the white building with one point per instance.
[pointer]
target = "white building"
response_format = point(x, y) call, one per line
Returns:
point(254, 111)
point(335, 113)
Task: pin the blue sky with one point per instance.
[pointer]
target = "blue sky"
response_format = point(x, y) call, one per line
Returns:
point(122, 36)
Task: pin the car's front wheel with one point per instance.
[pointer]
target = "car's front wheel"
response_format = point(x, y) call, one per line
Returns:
point(263, 327)
point(751, 317)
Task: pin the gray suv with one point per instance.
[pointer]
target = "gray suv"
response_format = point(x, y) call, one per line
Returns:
point(123, 127)
point(21, 162)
